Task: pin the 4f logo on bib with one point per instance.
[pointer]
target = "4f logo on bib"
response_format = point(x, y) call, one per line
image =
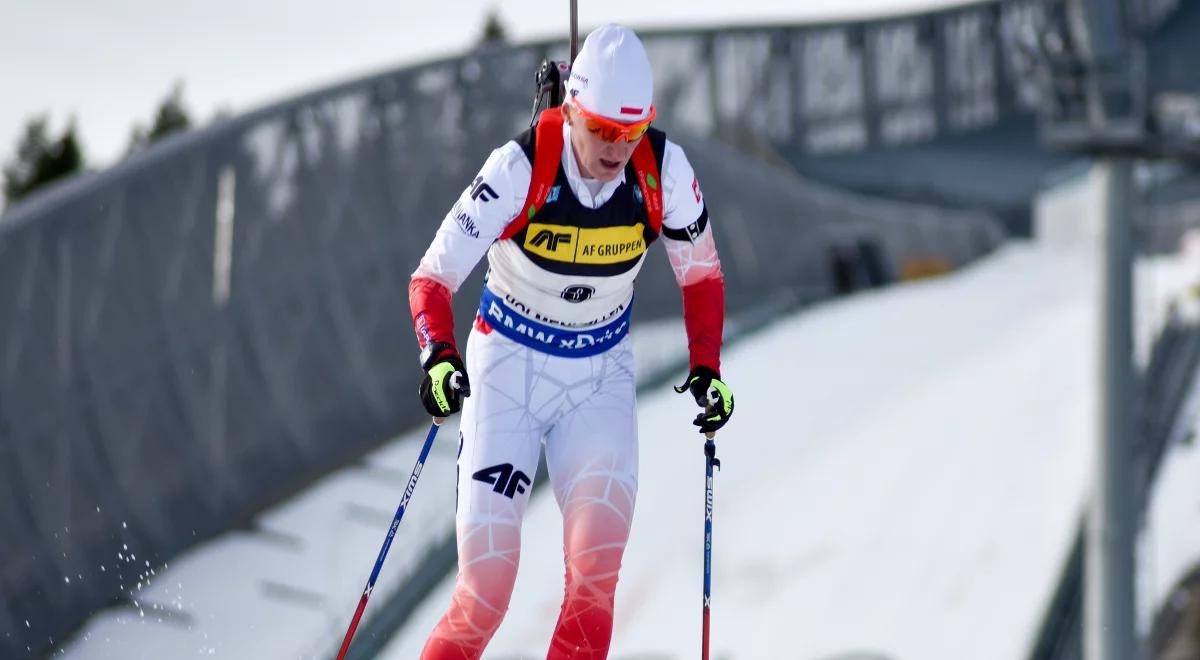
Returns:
point(508, 481)
point(549, 239)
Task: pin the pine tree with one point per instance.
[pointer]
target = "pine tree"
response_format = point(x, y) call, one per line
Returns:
point(493, 30)
point(31, 148)
point(65, 158)
point(40, 160)
point(172, 117)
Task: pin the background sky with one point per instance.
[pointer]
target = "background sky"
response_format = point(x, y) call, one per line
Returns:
point(108, 63)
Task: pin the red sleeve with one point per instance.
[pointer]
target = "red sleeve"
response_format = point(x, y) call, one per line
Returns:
point(433, 318)
point(703, 317)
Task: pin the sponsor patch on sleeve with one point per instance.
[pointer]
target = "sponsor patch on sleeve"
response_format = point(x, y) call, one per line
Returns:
point(464, 220)
point(481, 191)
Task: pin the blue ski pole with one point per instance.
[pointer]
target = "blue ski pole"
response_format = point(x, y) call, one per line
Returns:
point(711, 461)
point(387, 542)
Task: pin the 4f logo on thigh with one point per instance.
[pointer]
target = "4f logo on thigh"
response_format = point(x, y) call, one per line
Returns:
point(508, 480)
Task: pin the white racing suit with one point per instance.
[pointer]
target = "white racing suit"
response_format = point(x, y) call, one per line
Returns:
point(550, 361)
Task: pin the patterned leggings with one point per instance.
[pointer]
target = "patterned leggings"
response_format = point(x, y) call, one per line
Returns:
point(584, 409)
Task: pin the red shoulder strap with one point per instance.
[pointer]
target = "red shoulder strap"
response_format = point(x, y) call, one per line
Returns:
point(646, 168)
point(548, 145)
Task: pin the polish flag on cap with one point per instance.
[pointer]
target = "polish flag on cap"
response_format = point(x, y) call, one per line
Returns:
point(611, 75)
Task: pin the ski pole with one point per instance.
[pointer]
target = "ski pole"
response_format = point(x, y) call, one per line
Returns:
point(387, 542)
point(711, 461)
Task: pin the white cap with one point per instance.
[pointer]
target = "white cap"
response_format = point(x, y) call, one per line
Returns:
point(611, 75)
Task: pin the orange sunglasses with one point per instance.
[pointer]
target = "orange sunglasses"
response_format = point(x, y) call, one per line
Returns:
point(610, 130)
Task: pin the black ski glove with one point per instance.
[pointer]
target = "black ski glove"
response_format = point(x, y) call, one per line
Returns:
point(445, 383)
point(711, 394)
